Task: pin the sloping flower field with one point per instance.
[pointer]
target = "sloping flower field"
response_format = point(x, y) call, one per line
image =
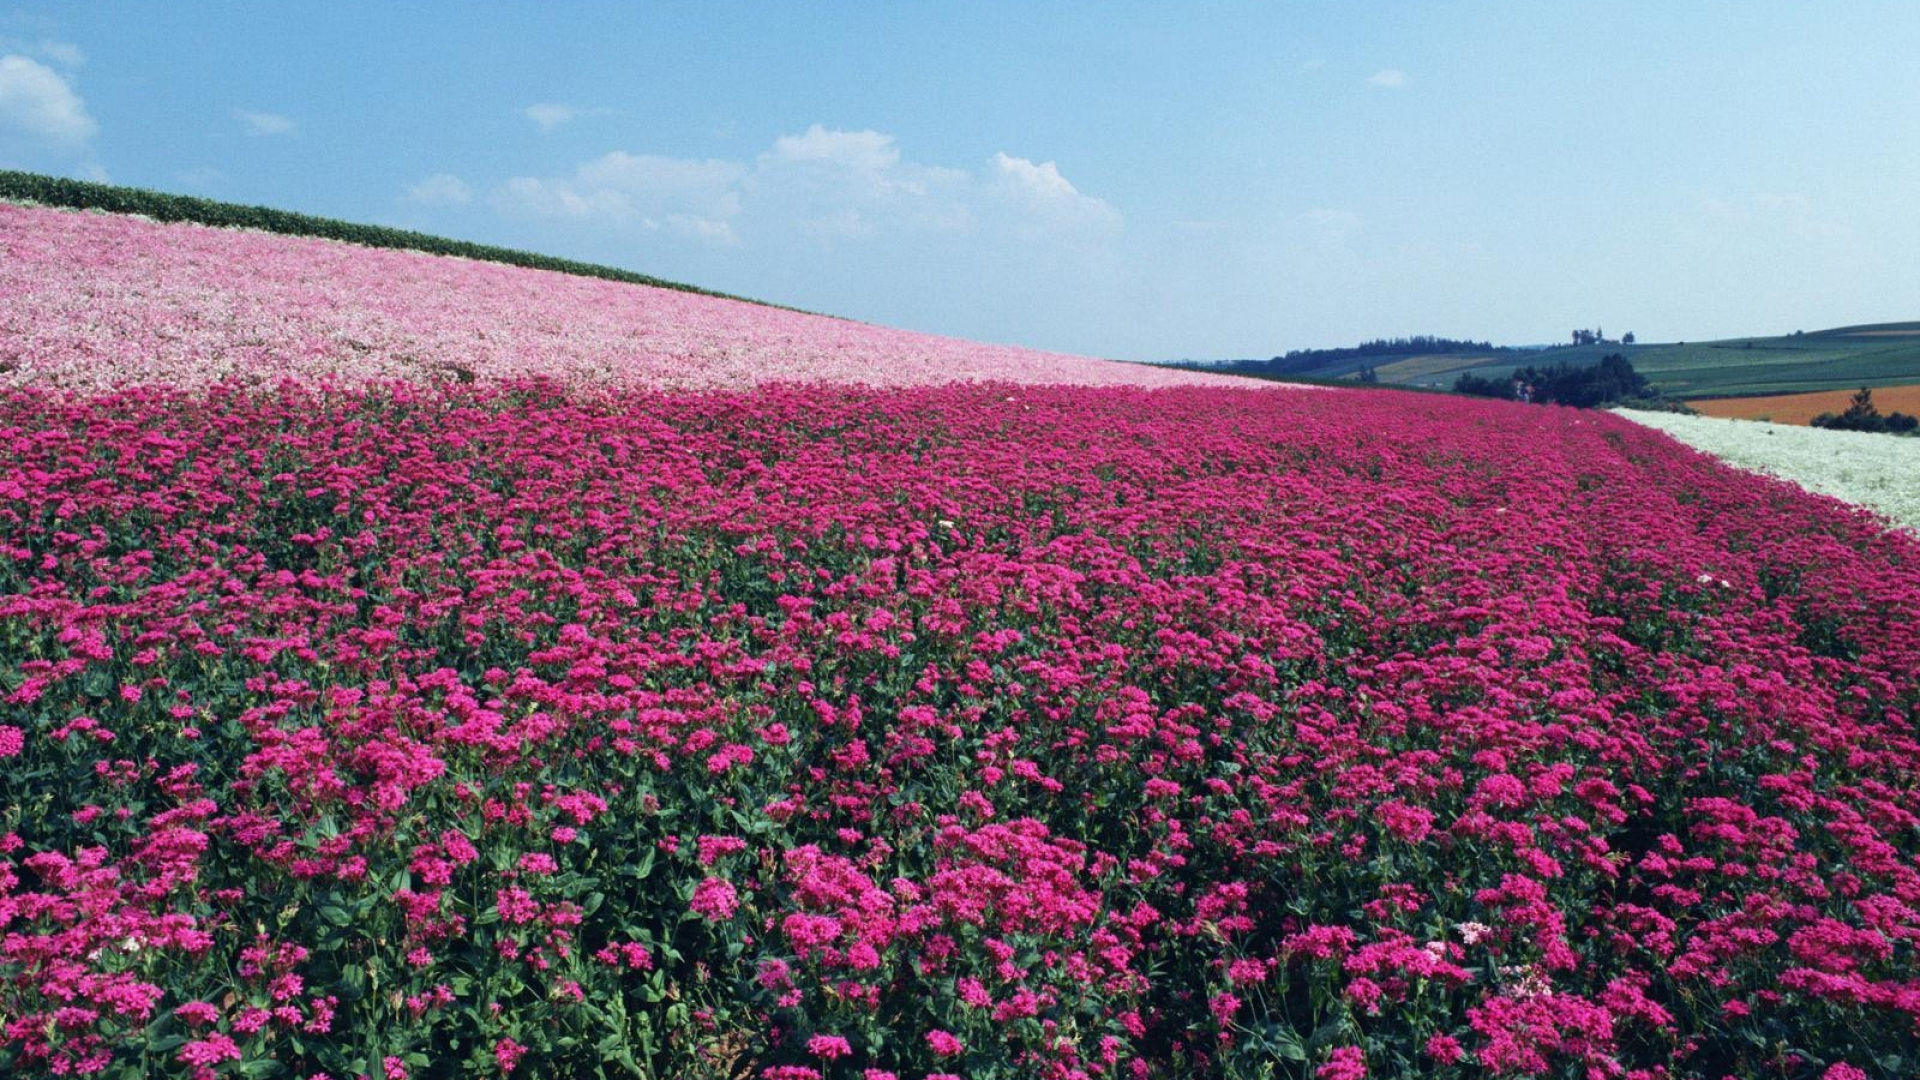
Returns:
point(93, 301)
point(410, 729)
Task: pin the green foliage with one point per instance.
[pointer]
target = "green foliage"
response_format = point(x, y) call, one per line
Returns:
point(1585, 386)
point(1862, 415)
point(1358, 359)
point(86, 195)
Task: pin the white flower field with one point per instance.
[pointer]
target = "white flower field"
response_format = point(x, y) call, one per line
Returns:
point(1880, 472)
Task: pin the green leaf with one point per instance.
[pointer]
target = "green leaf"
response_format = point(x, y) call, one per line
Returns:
point(1286, 1043)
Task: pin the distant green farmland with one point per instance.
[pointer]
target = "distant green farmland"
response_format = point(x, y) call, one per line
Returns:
point(1885, 354)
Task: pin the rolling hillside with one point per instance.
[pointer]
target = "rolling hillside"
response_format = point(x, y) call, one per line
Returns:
point(101, 300)
point(1884, 354)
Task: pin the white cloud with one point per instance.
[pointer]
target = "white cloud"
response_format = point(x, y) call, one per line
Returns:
point(1042, 181)
point(550, 115)
point(263, 123)
point(559, 198)
point(1390, 78)
point(36, 101)
point(1046, 196)
point(864, 151)
point(440, 189)
point(825, 185)
point(851, 184)
point(694, 198)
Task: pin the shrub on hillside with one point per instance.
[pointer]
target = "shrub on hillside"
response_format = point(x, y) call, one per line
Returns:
point(1862, 415)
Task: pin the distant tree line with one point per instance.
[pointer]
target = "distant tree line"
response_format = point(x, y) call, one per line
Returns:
point(1597, 336)
point(1301, 361)
point(1584, 386)
point(1862, 415)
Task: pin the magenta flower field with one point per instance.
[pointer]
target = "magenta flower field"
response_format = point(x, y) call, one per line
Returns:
point(626, 708)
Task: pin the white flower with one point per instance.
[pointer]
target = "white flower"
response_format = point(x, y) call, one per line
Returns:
point(1525, 981)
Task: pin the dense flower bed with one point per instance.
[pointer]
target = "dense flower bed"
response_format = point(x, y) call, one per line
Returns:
point(985, 732)
point(94, 301)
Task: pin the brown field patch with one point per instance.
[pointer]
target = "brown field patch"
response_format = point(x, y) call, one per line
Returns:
point(1802, 408)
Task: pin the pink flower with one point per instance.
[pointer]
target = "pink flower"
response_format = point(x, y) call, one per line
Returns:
point(831, 1047)
point(1246, 972)
point(1345, 1063)
point(508, 1053)
point(715, 900)
point(1444, 1049)
point(199, 1013)
point(516, 905)
point(945, 1043)
point(12, 741)
point(209, 1051)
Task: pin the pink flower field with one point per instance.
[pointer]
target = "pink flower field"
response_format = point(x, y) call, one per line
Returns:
point(947, 716)
point(95, 301)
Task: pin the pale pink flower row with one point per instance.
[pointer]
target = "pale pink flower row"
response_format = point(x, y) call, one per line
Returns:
point(92, 301)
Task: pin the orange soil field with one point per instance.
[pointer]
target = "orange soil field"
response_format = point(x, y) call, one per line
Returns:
point(1802, 408)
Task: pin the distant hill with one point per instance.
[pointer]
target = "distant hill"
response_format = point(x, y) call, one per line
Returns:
point(1844, 357)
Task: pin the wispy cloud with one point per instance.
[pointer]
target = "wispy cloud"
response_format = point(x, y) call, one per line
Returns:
point(263, 123)
point(41, 47)
point(1046, 198)
point(550, 115)
point(826, 184)
point(692, 198)
point(1390, 78)
point(61, 52)
point(36, 101)
point(440, 189)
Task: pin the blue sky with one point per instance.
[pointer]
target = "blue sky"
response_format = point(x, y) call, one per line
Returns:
point(1131, 180)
